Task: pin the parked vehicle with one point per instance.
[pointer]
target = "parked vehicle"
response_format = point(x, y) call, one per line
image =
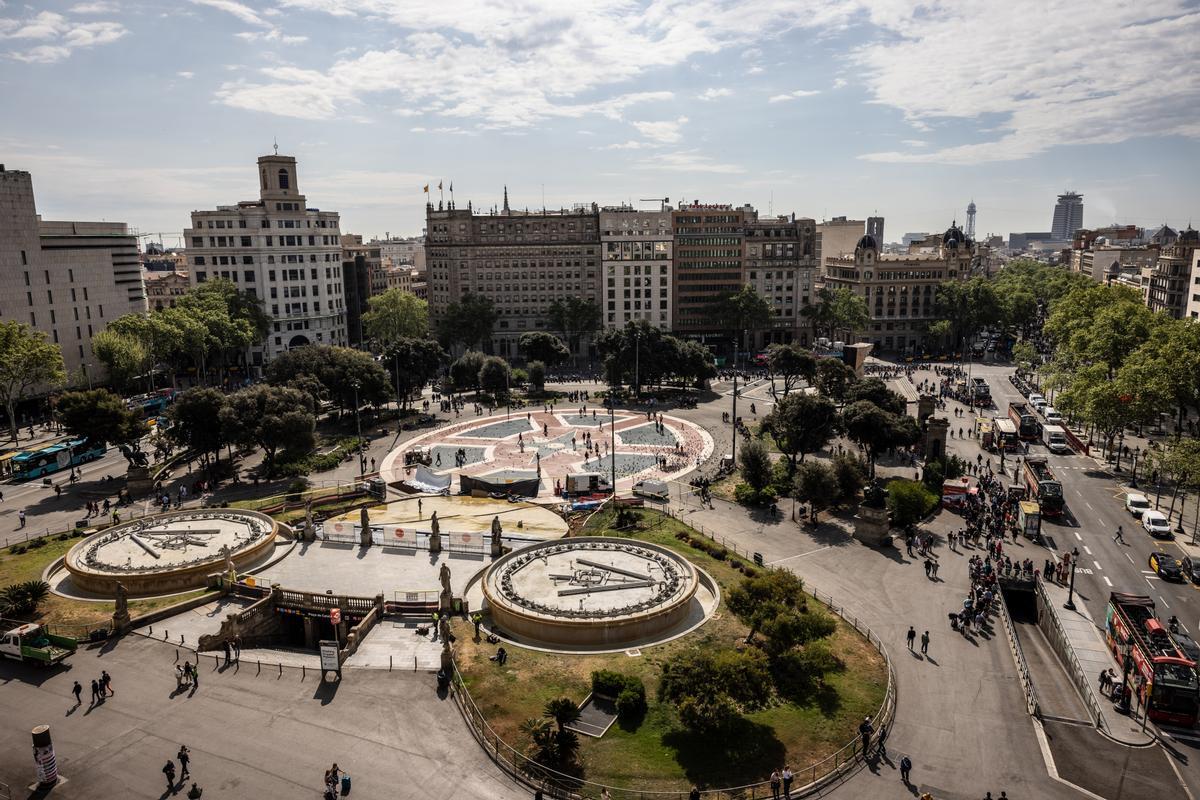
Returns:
point(1051, 415)
point(1166, 566)
point(1024, 419)
point(33, 642)
point(1043, 486)
point(586, 483)
point(1055, 439)
point(1137, 504)
point(1036, 398)
point(652, 488)
point(1168, 676)
point(1156, 524)
point(1191, 568)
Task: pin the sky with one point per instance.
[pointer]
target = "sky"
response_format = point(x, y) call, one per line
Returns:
point(141, 110)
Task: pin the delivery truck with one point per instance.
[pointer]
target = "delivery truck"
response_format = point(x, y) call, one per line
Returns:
point(34, 643)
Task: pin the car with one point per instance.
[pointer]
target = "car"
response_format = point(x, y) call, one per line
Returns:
point(1166, 566)
point(1036, 398)
point(1136, 504)
point(1188, 645)
point(1156, 524)
point(1040, 405)
point(1191, 569)
point(1051, 415)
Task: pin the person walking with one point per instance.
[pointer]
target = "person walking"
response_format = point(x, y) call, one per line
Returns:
point(912, 635)
point(226, 647)
point(21, 516)
point(905, 769)
point(169, 770)
point(865, 730)
point(184, 757)
point(1119, 537)
point(106, 683)
point(77, 690)
point(880, 745)
point(925, 643)
point(96, 696)
point(196, 674)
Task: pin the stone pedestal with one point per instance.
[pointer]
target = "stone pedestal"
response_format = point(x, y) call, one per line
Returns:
point(926, 404)
point(935, 437)
point(871, 526)
point(364, 530)
point(138, 481)
point(120, 623)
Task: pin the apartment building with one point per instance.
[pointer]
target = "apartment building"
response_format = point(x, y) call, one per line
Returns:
point(1168, 285)
point(780, 263)
point(838, 237)
point(638, 269)
point(521, 260)
point(280, 250)
point(406, 279)
point(899, 290)
point(163, 289)
point(1193, 304)
point(398, 251)
point(66, 279)
point(709, 247)
point(362, 264)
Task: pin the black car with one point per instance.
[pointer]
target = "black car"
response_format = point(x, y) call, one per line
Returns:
point(1191, 568)
point(1188, 645)
point(1166, 566)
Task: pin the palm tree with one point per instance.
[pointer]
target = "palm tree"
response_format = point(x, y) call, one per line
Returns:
point(563, 711)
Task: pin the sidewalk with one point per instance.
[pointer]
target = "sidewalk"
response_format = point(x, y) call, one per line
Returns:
point(1086, 641)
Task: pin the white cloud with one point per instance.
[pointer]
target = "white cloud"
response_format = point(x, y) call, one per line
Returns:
point(243, 12)
point(60, 35)
point(531, 51)
point(1045, 84)
point(783, 98)
point(713, 94)
point(632, 144)
point(840, 83)
point(94, 8)
point(687, 161)
point(186, 75)
point(664, 131)
point(914, 142)
point(273, 35)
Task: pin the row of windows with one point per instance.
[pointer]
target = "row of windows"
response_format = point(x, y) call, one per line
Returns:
point(612, 293)
point(638, 282)
point(74, 299)
point(46, 273)
point(637, 305)
point(219, 224)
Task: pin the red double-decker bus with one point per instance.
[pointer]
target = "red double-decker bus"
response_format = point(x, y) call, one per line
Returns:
point(1168, 685)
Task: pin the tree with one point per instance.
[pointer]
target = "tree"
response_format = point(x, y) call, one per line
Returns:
point(838, 309)
point(851, 475)
point(27, 361)
point(494, 374)
point(395, 314)
point(876, 391)
point(274, 418)
point(348, 375)
point(544, 347)
point(834, 378)
point(817, 485)
point(1019, 309)
point(562, 710)
point(968, 305)
point(642, 354)
point(1025, 356)
point(468, 322)
point(909, 501)
point(465, 370)
point(196, 422)
point(536, 371)
point(98, 415)
point(574, 318)
point(875, 430)
point(792, 363)
point(124, 357)
point(801, 424)
point(413, 363)
point(742, 311)
point(755, 462)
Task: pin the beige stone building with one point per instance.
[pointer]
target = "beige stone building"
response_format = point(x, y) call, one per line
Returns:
point(838, 237)
point(66, 279)
point(281, 251)
point(638, 268)
point(1169, 284)
point(400, 251)
point(1193, 304)
point(406, 279)
point(781, 265)
point(163, 289)
point(521, 260)
point(899, 290)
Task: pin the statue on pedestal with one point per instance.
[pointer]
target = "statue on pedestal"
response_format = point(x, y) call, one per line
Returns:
point(120, 617)
point(309, 528)
point(435, 534)
point(447, 596)
point(496, 530)
point(364, 533)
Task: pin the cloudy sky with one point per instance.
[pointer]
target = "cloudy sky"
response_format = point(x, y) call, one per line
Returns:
point(141, 110)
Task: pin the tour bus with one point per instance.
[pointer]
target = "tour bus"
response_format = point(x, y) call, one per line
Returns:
point(30, 464)
point(1163, 677)
point(1005, 434)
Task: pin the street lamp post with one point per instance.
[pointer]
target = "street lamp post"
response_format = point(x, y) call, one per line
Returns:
point(637, 364)
point(362, 457)
point(1126, 661)
point(1070, 604)
point(1137, 451)
point(1120, 449)
point(612, 447)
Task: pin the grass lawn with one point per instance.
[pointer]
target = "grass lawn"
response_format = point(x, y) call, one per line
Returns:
point(658, 753)
point(62, 611)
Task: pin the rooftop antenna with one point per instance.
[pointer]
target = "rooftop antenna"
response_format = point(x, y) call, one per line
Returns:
point(276, 140)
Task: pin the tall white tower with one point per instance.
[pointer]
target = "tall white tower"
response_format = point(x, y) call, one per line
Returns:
point(970, 231)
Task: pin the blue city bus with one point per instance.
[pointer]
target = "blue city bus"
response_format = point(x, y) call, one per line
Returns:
point(152, 405)
point(30, 464)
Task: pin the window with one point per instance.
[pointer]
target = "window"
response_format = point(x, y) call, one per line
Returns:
point(26, 278)
point(283, 179)
point(197, 241)
point(199, 261)
point(24, 261)
point(245, 241)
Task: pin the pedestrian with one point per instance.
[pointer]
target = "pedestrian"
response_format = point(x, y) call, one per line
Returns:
point(865, 730)
point(106, 683)
point(226, 647)
point(925, 643)
point(237, 648)
point(880, 746)
point(169, 771)
point(1120, 536)
point(694, 794)
point(934, 569)
point(21, 516)
point(184, 757)
point(912, 635)
point(96, 696)
point(906, 768)
point(775, 784)
point(196, 674)
point(77, 690)
point(787, 781)
point(928, 568)
point(195, 792)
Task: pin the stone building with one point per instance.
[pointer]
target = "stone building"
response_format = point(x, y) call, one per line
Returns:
point(709, 246)
point(521, 260)
point(406, 279)
point(1168, 285)
point(163, 289)
point(66, 279)
point(638, 268)
point(280, 250)
point(362, 266)
point(899, 290)
point(781, 265)
point(838, 237)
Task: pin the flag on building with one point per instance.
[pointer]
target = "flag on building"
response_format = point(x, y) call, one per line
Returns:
point(426, 190)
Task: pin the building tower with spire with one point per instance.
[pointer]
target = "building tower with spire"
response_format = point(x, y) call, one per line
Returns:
point(506, 212)
point(970, 231)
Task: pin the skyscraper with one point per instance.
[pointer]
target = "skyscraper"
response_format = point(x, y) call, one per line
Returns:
point(1068, 216)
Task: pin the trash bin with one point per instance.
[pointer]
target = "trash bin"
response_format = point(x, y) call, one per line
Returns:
point(758, 559)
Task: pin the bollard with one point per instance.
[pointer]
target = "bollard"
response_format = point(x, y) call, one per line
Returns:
point(166, 634)
point(303, 671)
point(176, 655)
point(281, 669)
point(181, 638)
point(389, 662)
point(259, 669)
point(414, 663)
point(150, 631)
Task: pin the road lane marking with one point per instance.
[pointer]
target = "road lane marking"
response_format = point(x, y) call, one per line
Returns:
point(1077, 536)
point(1097, 563)
point(1089, 505)
point(1106, 580)
point(1087, 549)
point(1164, 602)
point(1130, 559)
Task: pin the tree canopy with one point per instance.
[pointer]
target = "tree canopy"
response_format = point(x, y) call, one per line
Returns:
point(574, 318)
point(544, 347)
point(792, 363)
point(27, 362)
point(348, 375)
point(801, 424)
point(413, 363)
point(98, 415)
point(838, 309)
point(467, 322)
point(395, 314)
point(196, 422)
point(273, 418)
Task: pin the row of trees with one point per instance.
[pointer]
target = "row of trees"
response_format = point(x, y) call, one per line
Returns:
point(642, 355)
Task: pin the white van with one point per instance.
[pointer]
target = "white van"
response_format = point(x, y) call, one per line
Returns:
point(652, 488)
point(1051, 416)
point(1055, 439)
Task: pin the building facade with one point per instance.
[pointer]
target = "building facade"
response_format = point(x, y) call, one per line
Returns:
point(521, 260)
point(838, 237)
point(781, 265)
point(1169, 283)
point(398, 251)
point(66, 279)
point(280, 250)
point(900, 290)
point(362, 266)
point(637, 250)
point(1068, 217)
point(163, 289)
point(709, 247)
point(406, 279)
point(1193, 304)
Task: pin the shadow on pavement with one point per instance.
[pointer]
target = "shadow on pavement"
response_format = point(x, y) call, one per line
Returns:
point(1132, 773)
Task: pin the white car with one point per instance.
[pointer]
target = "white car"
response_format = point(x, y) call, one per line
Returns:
point(1036, 398)
point(1136, 504)
point(1051, 415)
point(1156, 524)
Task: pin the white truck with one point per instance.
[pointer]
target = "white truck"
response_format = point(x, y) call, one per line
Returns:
point(1055, 439)
point(32, 642)
point(652, 488)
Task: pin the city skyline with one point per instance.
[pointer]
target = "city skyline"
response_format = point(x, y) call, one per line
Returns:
point(818, 109)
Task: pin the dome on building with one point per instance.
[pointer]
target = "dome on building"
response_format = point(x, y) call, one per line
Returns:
point(1114, 269)
point(867, 242)
point(953, 237)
